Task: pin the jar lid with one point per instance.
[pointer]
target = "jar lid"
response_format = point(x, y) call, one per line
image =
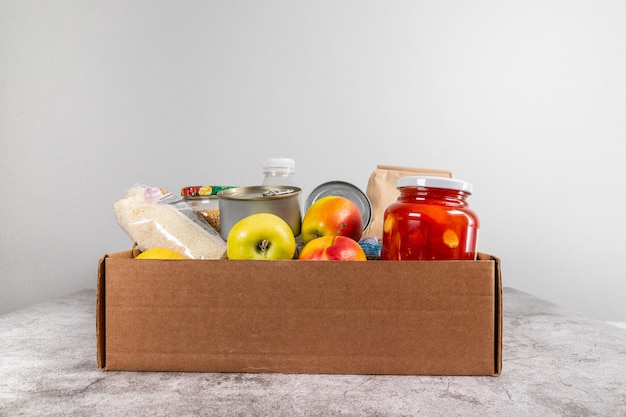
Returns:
point(203, 190)
point(279, 163)
point(435, 182)
point(259, 192)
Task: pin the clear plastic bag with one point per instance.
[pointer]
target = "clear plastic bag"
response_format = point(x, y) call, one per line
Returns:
point(152, 218)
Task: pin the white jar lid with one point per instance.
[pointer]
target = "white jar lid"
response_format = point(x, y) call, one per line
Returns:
point(435, 182)
point(279, 163)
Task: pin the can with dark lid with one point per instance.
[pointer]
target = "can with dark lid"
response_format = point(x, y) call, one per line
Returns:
point(347, 190)
point(240, 202)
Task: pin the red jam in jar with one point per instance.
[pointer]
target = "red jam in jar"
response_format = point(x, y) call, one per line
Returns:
point(431, 220)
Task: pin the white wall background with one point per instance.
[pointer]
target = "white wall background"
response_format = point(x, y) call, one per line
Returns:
point(525, 99)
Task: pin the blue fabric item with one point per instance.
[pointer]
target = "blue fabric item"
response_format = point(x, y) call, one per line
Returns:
point(371, 246)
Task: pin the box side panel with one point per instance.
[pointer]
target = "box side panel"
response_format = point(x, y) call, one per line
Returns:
point(498, 319)
point(101, 306)
point(100, 314)
point(313, 317)
point(498, 322)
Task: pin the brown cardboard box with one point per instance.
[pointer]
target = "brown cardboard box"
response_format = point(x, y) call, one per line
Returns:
point(374, 317)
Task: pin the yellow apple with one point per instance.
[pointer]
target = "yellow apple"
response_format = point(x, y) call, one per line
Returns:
point(160, 253)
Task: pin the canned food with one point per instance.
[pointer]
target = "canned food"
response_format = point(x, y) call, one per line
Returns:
point(431, 220)
point(240, 202)
point(347, 190)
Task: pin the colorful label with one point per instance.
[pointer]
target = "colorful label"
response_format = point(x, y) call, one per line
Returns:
point(203, 190)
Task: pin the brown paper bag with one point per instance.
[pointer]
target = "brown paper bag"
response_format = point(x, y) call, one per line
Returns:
point(382, 191)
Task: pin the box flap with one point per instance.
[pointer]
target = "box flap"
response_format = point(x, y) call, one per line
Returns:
point(499, 314)
point(100, 314)
point(101, 305)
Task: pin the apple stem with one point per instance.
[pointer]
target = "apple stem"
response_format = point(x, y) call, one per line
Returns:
point(337, 234)
point(263, 246)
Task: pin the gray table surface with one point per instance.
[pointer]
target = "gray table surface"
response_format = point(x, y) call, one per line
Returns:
point(555, 364)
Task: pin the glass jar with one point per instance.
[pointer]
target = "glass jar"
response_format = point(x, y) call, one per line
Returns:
point(203, 199)
point(430, 220)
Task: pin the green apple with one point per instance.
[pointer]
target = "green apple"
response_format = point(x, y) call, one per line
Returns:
point(262, 236)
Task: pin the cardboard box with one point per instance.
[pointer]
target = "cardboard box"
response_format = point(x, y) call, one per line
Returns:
point(374, 317)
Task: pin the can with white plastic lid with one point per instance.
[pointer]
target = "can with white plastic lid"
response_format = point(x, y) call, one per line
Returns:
point(347, 190)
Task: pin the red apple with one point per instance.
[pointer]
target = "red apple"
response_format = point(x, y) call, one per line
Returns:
point(332, 248)
point(332, 215)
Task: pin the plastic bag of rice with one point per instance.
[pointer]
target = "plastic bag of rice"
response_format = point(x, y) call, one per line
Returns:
point(156, 219)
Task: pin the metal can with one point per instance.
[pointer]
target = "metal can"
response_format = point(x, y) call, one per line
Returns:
point(240, 202)
point(347, 190)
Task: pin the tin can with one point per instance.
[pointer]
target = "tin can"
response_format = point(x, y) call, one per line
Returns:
point(240, 202)
point(347, 190)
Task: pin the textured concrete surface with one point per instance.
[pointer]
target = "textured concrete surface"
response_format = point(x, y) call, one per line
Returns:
point(555, 364)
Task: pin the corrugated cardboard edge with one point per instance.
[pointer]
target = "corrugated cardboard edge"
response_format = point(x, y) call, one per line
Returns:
point(100, 315)
point(101, 310)
point(498, 322)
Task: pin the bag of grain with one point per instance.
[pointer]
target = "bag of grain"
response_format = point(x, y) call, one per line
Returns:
point(152, 218)
point(382, 191)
